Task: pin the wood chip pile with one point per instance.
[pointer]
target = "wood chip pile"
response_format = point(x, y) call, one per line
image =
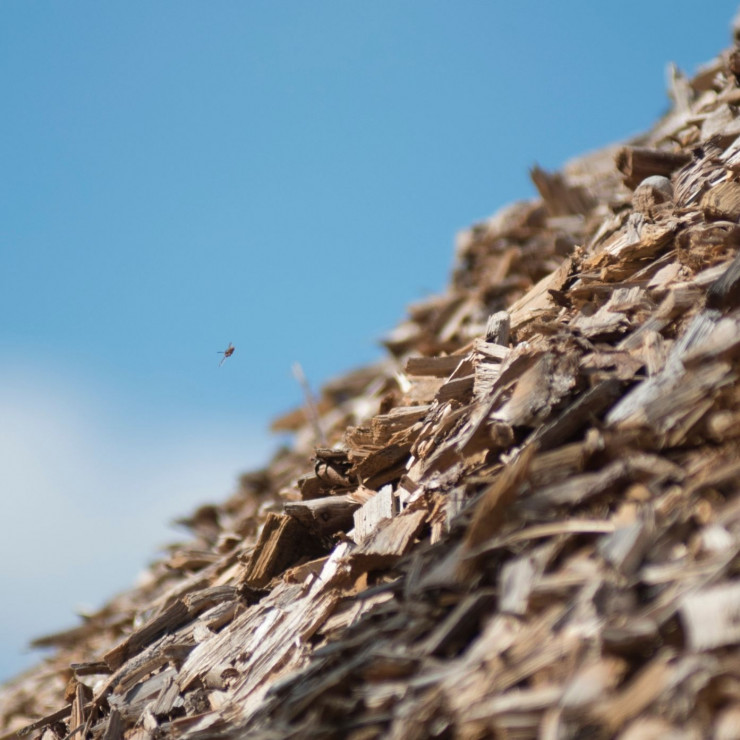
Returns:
point(524, 522)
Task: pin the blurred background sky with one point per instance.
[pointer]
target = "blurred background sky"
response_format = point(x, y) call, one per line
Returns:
point(285, 176)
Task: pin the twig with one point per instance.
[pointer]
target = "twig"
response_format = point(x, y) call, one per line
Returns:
point(312, 411)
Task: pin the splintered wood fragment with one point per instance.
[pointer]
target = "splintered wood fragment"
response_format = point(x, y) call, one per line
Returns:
point(382, 466)
point(490, 350)
point(457, 389)
point(199, 601)
point(324, 515)
point(221, 614)
point(359, 438)
point(192, 559)
point(639, 240)
point(438, 367)
point(282, 542)
point(384, 426)
point(114, 726)
point(538, 300)
point(692, 180)
point(722, 201)
point(490, 511)
point(711, 616)
point(391, 539)
point(169, 620)
point(486, 374)
point(559, 463)
point(625, 547)
point(654, 352)
point(77, 713)
point(368, 517)
point(637, 163)
point(139, 699)
point(169, 695)
point(168, 649)
point(678, 300)
point(498, 328)
point(604, 322)
point(49, 719)
point(657, 400)
point(540, 388)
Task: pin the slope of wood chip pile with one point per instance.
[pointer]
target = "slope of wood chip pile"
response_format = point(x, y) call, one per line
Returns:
point(523, 522)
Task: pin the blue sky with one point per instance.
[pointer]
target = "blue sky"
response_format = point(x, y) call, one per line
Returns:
point(286, 176)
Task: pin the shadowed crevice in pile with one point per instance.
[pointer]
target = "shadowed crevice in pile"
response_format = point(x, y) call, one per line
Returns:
point(523, 521)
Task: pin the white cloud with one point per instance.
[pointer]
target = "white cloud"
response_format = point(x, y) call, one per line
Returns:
point(87, 494)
